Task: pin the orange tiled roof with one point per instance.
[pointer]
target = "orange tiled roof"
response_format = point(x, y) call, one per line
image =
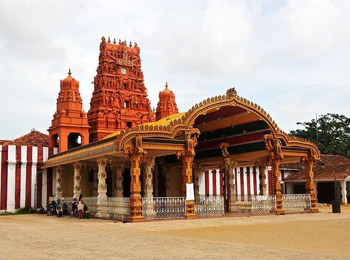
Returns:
point(330, 166)
point(34, 138)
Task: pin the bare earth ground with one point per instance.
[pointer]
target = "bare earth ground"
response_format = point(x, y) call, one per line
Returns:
point(298, 236)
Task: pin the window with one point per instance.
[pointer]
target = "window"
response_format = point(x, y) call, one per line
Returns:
point(128, 124)
point(126, 104)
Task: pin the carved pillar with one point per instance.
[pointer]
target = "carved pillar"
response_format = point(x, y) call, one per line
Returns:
point(196, 172)
point(148, 176)
point(275, 156)
point(102, 204)
point(230, 166)
point(310, 186)
point(119, 180)
point(135, 189)
point(148, 188)
point(262, 180)
point(276, 172)
point(76, 180)
point(187, 178)
point(59, 171)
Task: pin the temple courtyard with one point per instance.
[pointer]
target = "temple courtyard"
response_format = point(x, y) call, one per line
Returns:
point(294, 236)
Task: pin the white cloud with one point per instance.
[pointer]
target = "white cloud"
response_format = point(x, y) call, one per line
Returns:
point(290, 56)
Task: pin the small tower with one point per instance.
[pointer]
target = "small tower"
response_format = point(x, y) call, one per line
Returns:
point(166, 105)
point(69, 127)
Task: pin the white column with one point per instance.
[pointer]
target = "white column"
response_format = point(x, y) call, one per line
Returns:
point(210, 182)
point(238, 184)
point(23, 176)
point(343, 192)
point(102, 204)
point(148, 188)
point(251, 180)
point(59, 171)
point(76, 180)
point(147, 177)
point(34, 176)
point(257, 180)
point(217, 175)
point(245, 181)
point(11, 178)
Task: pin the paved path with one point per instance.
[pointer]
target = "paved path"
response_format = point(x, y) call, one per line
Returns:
point(301, 236)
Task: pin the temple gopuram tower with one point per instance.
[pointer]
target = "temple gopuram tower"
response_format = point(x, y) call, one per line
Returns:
point(166, 104)
point(119, 99)
point(69, 127)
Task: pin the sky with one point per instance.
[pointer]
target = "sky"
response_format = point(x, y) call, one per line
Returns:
point(291, 57)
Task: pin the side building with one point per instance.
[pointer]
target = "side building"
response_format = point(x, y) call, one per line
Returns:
point(22, 181)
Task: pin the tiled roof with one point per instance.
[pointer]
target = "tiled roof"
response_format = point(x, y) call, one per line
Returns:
point(327, 168)
point(34, 138)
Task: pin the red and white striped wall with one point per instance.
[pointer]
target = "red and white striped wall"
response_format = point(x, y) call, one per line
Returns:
point(247, 183)
point(22, 182)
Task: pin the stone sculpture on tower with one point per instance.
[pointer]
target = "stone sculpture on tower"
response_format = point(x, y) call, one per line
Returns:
point(119, 99)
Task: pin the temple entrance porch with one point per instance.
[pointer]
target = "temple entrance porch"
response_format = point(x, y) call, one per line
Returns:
point(231, 138)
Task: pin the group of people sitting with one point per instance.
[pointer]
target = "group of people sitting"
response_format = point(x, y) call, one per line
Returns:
point(80, 205)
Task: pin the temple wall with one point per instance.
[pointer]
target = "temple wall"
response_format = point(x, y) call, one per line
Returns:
point(86, 186)
point(67, 181)
point(22, 182)
point(174, 179)
point(247, 182)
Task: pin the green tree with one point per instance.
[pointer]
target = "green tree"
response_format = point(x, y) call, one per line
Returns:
point(331, 132)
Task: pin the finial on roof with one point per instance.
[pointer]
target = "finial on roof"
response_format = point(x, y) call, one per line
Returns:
point(130, 45)
point(120, 41)
point(109, 39)
point(166, 84)
point(114, 41)
point(69, 72)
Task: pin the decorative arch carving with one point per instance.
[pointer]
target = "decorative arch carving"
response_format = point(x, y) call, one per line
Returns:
point(184, 122)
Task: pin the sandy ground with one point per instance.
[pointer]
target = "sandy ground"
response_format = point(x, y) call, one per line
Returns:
point(298, 236)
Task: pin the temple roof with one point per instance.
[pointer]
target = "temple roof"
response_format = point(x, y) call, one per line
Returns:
point(161, 122)
point(34, 138)
point(327, 168)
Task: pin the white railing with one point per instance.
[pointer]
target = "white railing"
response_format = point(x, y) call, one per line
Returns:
point(296, 202)
point(210, 206)
point(118, 208)
point(263, 204)
point(164, 207)
point(244, 197)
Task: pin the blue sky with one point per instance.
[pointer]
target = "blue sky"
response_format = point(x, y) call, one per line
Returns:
point(291, 57)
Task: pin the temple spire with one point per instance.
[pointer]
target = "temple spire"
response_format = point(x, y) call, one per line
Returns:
point(69, 72)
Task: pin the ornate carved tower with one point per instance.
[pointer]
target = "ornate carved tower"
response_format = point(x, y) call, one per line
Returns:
point(166, 104)
point(69, 127)
point(119, 99)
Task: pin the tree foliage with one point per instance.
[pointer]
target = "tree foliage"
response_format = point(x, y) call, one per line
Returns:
point(331, 132)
